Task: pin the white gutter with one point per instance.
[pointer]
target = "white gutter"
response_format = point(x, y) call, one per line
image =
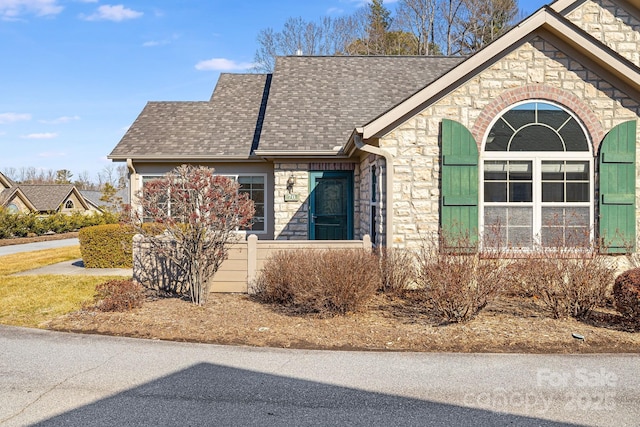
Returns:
point(300, 154)
point(388, 158)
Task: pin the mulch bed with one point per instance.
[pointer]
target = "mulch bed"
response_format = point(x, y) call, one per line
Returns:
point(510, 325)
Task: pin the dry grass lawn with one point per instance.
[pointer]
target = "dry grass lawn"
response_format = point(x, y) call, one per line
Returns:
point(31, 300)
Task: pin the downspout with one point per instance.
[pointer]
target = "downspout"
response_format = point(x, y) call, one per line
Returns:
point(132, 172)
point(388, 158)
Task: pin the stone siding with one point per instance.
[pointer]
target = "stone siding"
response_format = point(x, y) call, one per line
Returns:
point(611, 25)
point(19, 204)
point(536, 70)
point(291, 218)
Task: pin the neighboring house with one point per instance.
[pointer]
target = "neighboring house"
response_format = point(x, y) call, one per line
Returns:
point(94, 198)
point(42, 198)
point(531, 140)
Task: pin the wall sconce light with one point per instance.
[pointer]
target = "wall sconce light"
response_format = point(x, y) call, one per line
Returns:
point(290, 183)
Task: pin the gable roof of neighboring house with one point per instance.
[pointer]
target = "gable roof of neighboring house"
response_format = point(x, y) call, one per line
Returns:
point(9, 194)
point(94, 197)
point(5, 182)
point(49, 197)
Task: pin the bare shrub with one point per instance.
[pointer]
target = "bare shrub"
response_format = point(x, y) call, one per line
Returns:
point(200, 213)
point(397, 270)
point(118, 295)
point(327, 282)
point(626, 293)
point(459, 284)
point(566, 281)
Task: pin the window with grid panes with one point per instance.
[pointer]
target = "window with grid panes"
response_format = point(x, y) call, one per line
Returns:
point(536, 179)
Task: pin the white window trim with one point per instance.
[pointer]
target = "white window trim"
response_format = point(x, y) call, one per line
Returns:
point(536, 157)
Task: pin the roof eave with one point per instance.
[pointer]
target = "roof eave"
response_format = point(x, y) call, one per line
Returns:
point(304, 154)
point(187, 159)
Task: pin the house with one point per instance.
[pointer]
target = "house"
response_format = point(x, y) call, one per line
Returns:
point(42, 198)
point(94, 198)
point(531, 140)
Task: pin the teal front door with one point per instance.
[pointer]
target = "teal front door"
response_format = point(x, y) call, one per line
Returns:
point(331, 206)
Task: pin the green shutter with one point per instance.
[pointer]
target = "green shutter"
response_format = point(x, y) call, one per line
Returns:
point(459, 197)
point(618, 189)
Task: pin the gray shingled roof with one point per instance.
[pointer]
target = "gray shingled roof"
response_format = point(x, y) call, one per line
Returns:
point(46, 197)
point(224, 126)
point(5, 193)
point(314, 103)
point(94, 196)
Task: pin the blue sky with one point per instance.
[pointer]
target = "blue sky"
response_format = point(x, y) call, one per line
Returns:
point(76, 73)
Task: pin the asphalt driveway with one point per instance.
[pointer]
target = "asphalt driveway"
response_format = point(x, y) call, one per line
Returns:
point(55, 379)
point(72, 267)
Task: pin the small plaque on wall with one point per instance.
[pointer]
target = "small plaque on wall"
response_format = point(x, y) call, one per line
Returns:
point(291, 197)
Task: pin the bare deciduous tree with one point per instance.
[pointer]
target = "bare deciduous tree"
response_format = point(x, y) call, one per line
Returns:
point(482, 22)
point(418, 17)
point(200, 213)
point(331, 36)
point(451, 11)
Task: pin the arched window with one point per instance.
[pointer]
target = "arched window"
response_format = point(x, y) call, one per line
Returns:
point(13, 208)
point(536, 179)
point(68, 204)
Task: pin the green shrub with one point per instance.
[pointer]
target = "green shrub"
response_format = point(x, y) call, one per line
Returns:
point(118, 295)
point(626, 293)
point(327, 282)
point(107, 246)
point(22, 225)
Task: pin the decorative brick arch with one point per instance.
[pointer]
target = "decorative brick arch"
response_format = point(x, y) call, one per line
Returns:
point(539, 91)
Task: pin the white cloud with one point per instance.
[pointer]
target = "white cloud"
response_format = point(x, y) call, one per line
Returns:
point(13, 117)
point(12, 9)
point(162, 42)
point(60, 120)
point(153, 43)
point(223, 64)
point(115, 13)
point(44, 135)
